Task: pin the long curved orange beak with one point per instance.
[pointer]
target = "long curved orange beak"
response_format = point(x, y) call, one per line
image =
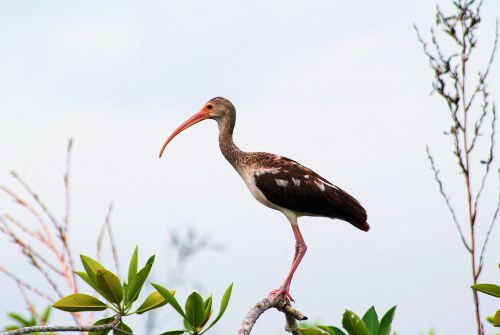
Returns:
point(203, 114)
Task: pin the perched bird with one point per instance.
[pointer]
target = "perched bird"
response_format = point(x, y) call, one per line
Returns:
point(279, 182)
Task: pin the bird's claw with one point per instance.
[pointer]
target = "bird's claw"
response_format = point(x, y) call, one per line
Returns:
point(283, 293)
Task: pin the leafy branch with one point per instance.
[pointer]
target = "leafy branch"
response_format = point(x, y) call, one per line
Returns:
point(118, 297)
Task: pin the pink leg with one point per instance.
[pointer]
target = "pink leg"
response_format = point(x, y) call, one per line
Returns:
point(300, 250)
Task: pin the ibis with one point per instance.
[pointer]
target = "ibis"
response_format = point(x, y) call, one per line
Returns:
point(279, 183)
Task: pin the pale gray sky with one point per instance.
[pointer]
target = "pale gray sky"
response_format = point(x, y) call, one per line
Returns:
point(340, 86)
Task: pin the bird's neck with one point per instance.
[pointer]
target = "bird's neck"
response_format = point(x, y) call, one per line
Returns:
point(232, 153)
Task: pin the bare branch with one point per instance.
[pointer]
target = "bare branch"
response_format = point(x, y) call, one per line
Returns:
point(28, 302)
point(272, 301)
point(100, 239)
point(24, 284)
point(38, 200)
point(67, 186)
point(27, 250)
point(30, 209)
point(112, 239)
point(65, 271)
point(34, 234)
point(63, 230)
point(33, 261)
point(106, 226)
point(69, 274)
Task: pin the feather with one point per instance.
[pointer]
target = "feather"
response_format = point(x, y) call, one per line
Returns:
point(290, 185)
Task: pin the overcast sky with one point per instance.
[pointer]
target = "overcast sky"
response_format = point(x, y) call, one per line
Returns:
point(340, 86)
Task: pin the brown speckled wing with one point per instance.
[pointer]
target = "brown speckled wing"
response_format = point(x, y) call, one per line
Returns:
point(290, 185)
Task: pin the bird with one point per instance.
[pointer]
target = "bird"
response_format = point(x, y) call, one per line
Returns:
point(279, 183)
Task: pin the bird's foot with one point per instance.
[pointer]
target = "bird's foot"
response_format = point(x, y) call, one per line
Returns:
point(283, 292)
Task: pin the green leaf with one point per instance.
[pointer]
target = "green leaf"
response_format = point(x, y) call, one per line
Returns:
point(208, 303)
point(46, 315)
point(132, 269)
point(496, 319)
point(313, 331)
point(371, 320)
point(79, 303)
point(386, 322)
point(332, 330)
point(19, 318)
point(170, 298)
point(135, 286)
point(353, 324)
point(195, 309)
point(490, 289)
point(154, 300)
point(109, 286)
point(126, 302)
point(208, 311)
point(187, 326)
point(86, 278)
point(91, 266)
point(11, 327)
point(32, 321)
point(102, 322)
point(174, 332)
point(124, 327)
point(223, 306)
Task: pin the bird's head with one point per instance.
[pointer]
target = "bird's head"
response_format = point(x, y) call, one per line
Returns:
point(216, 108)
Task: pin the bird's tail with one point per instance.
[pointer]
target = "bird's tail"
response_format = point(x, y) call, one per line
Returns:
point(364, 226)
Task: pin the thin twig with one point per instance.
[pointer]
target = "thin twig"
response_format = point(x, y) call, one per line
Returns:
point(33, 261)
point(63, 230)
point(99, 241)
point(112, 239)
point(34, 234)
point(28, 302)
point(67, 186)
point(24, 284)
point(30, 209)
point(68, 273)
point(489, 160)
point(106, 226)
point(45, 241)
point(57, 226)
point(38, 200)
point(447, 199)
point(27, 250)
point(56, 242)
point(484, 76)
point(487, 237)
point(49, 244)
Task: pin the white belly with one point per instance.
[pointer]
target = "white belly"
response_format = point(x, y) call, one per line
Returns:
point(249, 178)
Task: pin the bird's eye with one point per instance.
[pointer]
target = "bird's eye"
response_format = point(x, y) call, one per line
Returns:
point(210, 106)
